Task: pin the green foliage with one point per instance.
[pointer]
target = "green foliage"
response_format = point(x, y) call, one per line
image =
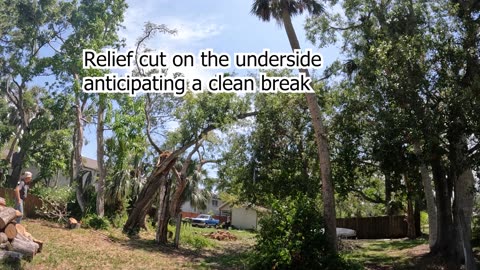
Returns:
point(55, 202)
point(95, 222)
point(278, 157)
point(119, 219)
point(292, 236)
point(58, 194)
point(191, 237)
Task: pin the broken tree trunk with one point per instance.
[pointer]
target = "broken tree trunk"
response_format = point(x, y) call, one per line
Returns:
point(163, 213)
point(147, 195)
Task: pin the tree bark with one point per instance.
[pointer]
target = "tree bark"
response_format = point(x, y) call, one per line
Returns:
point(17, 167)
point(13, 144)
point(6, 216)
point(163, 213)
point(411, 233)
point(429, 197)
point(445, 230)
point(100, 162)
point(147, 195)
point(322, 145)
point(78, 145)
point(27, 248)
point(388, 194)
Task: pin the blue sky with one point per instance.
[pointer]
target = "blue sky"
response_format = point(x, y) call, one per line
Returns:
point(224, 26)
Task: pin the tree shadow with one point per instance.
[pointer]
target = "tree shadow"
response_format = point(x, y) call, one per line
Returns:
point(225, 257)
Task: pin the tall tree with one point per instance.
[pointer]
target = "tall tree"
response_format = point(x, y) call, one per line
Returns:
point(282, 11)
point(92, 24)
point(391, 41)
point(26, 32)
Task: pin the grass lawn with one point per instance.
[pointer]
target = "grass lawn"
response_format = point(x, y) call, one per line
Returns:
point(90, 249)
point(395, 254)
point(385, 253)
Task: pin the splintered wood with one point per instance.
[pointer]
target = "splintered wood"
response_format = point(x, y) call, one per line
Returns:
point(15, 242)
point(221, 236)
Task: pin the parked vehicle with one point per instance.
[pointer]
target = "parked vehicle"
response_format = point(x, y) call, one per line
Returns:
point(346, 233)
point(205, 221)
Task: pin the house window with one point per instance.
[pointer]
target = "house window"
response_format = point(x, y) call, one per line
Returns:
point(214, 202)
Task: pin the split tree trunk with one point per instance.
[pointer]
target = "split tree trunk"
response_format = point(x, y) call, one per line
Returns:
point(147, 195)
point(322, 145)
point(163, 213)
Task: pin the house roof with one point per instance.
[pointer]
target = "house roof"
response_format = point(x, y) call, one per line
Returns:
point(90, 163)
point(257, 208)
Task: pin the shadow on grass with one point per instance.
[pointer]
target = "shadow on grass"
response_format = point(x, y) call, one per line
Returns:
point(395, 245)
point(222, 257)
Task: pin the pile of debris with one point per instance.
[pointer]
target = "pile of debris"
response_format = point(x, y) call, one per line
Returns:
point(15, 242)
point(221, 236)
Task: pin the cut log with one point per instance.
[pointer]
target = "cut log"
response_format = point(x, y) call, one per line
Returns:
point(27, 248)
point(23, 231)
point(39, 243)
point(18, 213)
point(6, 216)
point(3, 238)
point(2, 201)
point(11, 231)
point(10, 256)
point(73, 223)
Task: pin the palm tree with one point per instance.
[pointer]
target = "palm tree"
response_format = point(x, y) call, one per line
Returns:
point(282, 11)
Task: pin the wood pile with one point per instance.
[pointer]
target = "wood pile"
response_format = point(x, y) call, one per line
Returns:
point(221, 236)
point(15, 242)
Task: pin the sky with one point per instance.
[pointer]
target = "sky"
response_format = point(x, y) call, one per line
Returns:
point(224, 26)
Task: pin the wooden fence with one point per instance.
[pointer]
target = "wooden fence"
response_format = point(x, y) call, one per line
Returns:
point(30, 205)
point(194, 215)
point(376, 227)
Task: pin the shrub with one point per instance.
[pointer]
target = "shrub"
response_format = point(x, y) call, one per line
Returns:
point(119, 219)
point(95, 222)
point(54, 202)
point(293, 236)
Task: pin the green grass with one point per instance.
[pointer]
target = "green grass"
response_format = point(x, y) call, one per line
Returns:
point(383, 253)
point(193, 237)
point(111, 249)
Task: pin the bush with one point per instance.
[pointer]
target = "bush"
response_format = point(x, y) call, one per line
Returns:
point(293, 236)
point(54, 202)
point(95, 222)
point(119, 220)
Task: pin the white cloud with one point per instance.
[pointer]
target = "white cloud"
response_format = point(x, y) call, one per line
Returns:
point(190, 31)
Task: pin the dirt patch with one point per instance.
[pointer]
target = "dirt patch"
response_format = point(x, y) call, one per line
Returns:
point(221, 236)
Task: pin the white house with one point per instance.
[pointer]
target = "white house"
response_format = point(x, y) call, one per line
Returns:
point(212, 207)
point(242, 216)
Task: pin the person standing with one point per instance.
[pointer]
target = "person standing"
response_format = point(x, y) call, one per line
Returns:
point(21, 193)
